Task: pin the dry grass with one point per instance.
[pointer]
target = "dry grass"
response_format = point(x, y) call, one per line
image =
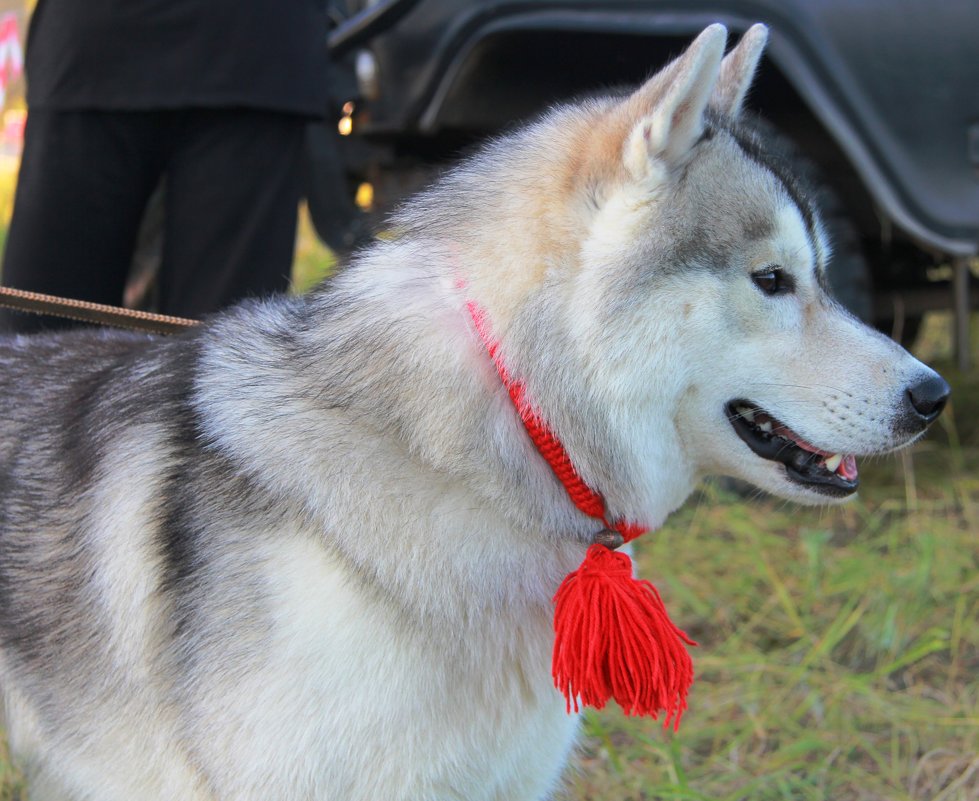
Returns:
point(313, 260)
point(839, 649)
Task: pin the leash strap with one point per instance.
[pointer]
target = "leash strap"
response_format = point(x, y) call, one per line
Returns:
point(87, 312)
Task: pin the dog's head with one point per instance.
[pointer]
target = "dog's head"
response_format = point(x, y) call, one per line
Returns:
point(773, 381)
point(672, 317)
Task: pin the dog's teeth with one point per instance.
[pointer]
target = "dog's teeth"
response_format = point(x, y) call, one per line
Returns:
point(833, 462)
point(766, 426)
point(746, 413)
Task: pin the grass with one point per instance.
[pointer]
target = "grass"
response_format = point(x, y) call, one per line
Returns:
point(313, 260)
point(8, 184)
point(839, 649)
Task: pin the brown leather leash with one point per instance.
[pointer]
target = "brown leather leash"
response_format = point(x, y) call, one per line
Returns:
point(98, 313)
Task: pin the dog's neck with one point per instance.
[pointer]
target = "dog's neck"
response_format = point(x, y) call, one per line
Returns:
point(552, 451)
point(421, 397)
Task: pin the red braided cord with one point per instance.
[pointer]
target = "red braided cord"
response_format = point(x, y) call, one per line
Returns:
point(613, 638)
point(548, 445)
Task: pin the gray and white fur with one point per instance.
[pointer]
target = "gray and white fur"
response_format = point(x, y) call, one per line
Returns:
point(307, 551)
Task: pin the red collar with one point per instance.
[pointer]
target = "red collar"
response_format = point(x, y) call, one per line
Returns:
point(612, 635)
point(548, 445)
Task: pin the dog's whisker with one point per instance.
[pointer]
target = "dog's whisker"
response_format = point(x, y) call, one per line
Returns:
point(813, 387)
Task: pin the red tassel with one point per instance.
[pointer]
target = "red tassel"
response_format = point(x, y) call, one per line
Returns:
point(614, 639)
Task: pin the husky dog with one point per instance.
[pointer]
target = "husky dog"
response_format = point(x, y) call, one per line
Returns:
point(307, 550)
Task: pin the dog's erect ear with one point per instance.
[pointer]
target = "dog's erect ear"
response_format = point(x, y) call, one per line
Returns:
point(738, 70)
point(670, 106)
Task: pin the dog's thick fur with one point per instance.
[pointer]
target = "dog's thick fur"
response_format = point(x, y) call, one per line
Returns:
point(307, 549)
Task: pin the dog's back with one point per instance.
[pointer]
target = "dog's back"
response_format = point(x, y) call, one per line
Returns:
point(81, 443)
point(175, 624)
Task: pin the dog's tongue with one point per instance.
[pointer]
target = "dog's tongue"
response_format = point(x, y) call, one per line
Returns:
point(847, 468)
point(788, 433)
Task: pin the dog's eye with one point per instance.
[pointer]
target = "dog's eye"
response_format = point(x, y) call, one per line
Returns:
point(773, 281)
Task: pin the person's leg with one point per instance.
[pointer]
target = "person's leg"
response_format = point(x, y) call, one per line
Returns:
point(83, 183)
point(233, 187)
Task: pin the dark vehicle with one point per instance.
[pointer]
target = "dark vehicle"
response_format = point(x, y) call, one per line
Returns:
point(882, 98)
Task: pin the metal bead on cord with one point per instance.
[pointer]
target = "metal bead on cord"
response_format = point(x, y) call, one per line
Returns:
point(613, 636)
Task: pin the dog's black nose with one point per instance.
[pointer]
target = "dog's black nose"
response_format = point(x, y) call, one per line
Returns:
point(927, 398)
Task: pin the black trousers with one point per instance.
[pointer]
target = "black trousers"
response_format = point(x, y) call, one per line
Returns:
point(233, 181)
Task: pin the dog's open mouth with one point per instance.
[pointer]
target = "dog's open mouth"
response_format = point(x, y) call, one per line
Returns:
point(829, 473)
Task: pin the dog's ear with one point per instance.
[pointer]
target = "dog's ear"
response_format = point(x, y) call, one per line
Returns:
point(738, 70)
point(670, 106)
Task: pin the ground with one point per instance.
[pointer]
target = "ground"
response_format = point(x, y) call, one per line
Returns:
point(839, 649)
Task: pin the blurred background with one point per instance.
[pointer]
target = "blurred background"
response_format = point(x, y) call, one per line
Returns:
point(839, 649)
